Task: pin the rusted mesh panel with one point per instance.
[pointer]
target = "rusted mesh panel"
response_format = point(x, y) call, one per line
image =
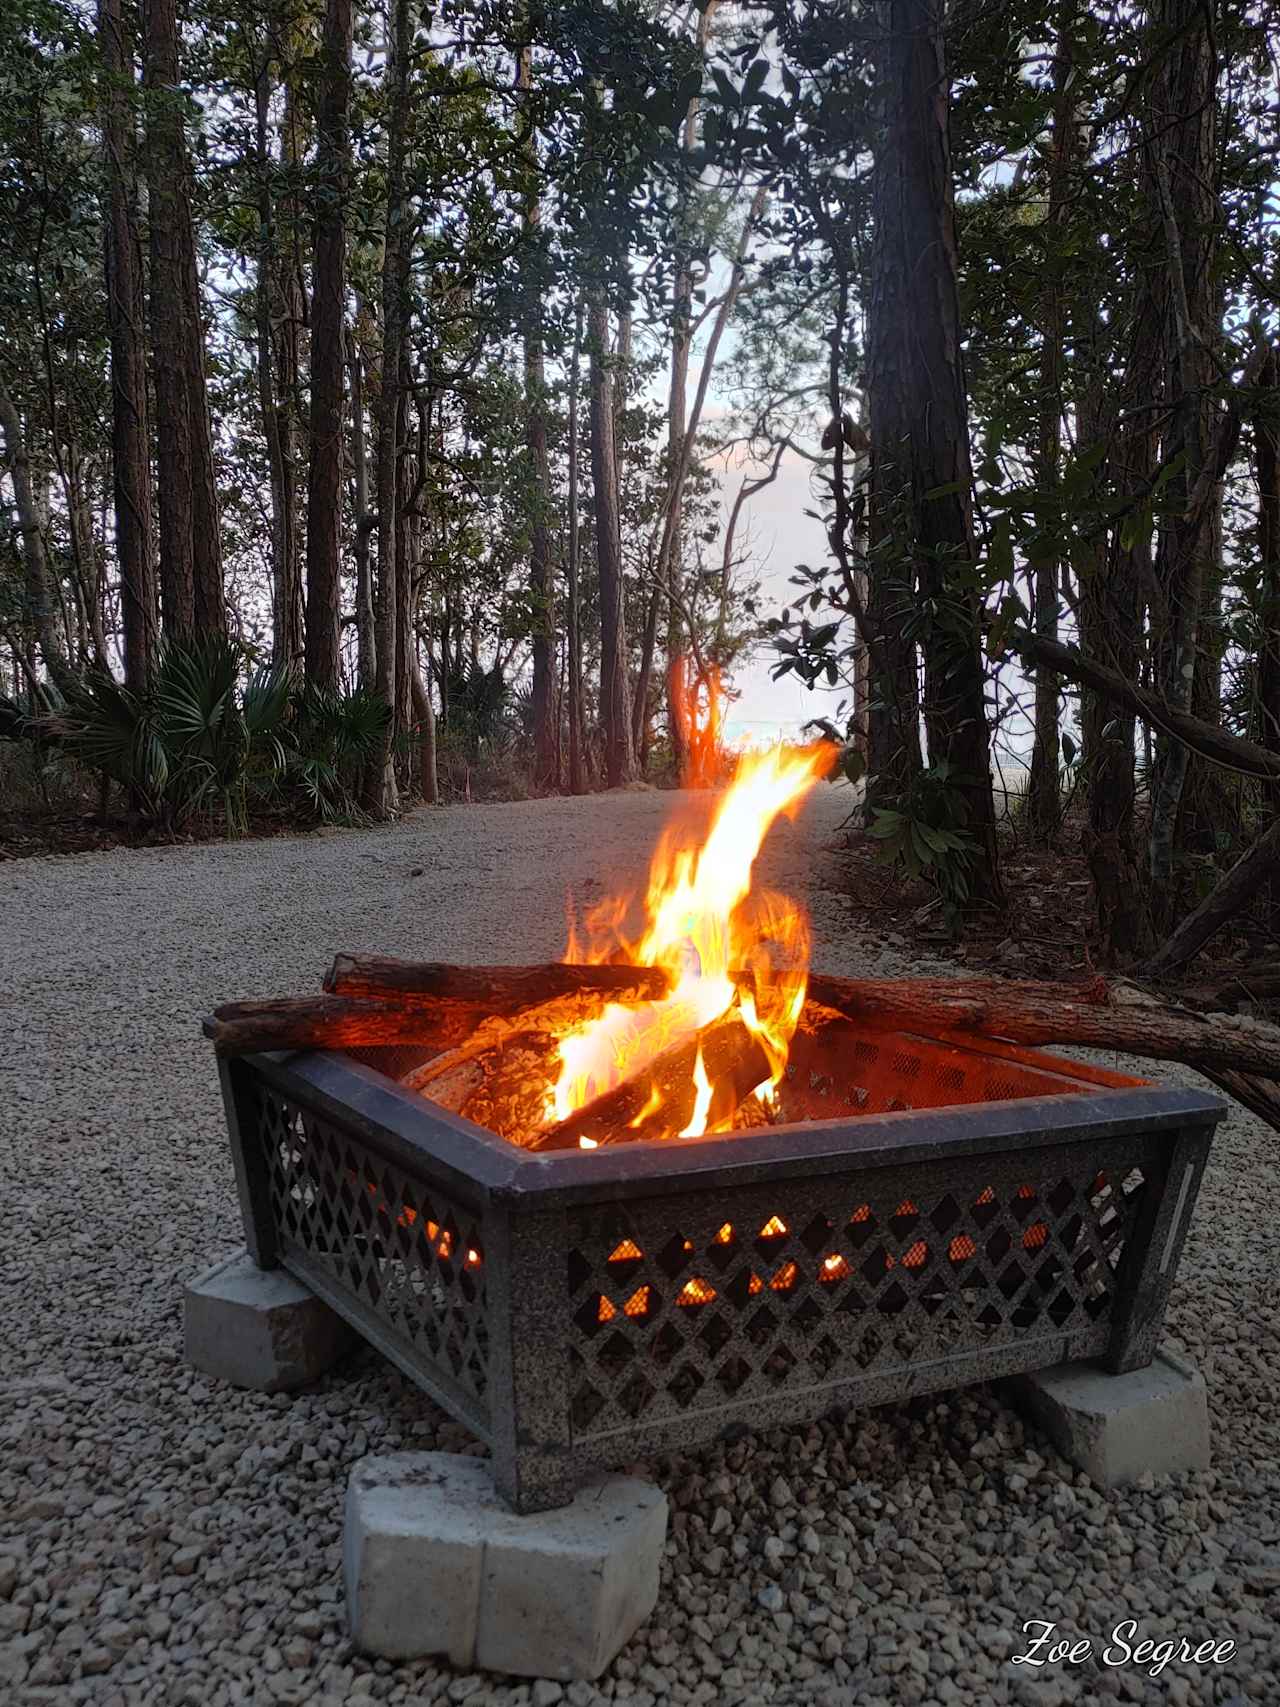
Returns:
point(838, 1068)
point(686, 1304)
point(406, 1251)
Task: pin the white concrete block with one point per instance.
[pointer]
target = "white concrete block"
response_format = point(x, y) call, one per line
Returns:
point(260, 1328)
point(1114, 1427)
point(436, 1563)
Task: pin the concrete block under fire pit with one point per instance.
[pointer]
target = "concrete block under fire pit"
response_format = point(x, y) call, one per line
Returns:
point(1114, 1427)
point(436, 1563)
point(260, 1328)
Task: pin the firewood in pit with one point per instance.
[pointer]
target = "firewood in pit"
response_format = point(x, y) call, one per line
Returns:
point(331, 1022)
point(499, 1077)
point(487, 989)
point(734, 1062)
point(475, 1004)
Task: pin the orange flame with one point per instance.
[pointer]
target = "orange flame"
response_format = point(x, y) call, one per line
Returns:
point(704, 923)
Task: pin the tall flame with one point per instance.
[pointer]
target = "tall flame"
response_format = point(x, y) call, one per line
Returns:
point(704, 924)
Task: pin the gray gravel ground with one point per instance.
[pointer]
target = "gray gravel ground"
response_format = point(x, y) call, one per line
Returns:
point(166, 1540)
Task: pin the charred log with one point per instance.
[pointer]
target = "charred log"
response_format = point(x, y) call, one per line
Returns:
point(661, 1099)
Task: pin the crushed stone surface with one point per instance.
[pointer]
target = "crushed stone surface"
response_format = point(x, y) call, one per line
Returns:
point(165, 1539)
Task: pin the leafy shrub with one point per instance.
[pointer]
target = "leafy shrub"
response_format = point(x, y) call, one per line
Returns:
point(924, 834)
point(198, 741)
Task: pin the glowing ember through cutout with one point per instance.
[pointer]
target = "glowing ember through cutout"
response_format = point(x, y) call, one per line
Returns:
point(704, 925)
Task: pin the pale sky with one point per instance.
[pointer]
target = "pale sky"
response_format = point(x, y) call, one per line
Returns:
point(781, 535)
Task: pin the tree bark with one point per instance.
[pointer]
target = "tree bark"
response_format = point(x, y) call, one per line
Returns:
point(921, 475)
point(406, 473)
point(425, 718)
point(1044, 792)
point(1266, 439)
point(615, 696)
point(130, 449)
point(286, 624)
point(380, 785)
point(328, 320)
point(191, 592)
point(577, 776)
point(1112, 598)
point(38, 589)
point(546, 764)
point(365, 521)
point(1182, 166)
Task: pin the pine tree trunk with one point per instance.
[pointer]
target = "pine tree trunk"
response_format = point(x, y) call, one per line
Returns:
point(130, 451)
point(577, 777)
point(1112, 600)
point(291, 309)
point(615, 696)
point(366, 643)
point(38, 590)
point(166, 197)
point(546, 763)
point(328, 321)
point(1044, 794)
point(406, 474)
point(1181, 168)
point(919, 421)
point(1266, 439)
point(380, 783)
point(286, 640)
point(191, 591)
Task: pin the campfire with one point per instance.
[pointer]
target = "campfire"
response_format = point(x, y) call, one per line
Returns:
point(679, 1182)
point(700, 1047)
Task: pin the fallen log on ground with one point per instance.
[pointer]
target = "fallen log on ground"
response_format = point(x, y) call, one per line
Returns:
point(1255, 867)
point(734, 1062)
point(1260, 1096)
point(1254, 981)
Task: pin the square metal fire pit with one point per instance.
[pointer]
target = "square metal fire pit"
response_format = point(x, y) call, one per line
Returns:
point(959, 1210)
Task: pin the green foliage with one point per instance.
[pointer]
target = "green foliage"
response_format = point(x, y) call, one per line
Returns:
point(199, 741)
point(923, 833)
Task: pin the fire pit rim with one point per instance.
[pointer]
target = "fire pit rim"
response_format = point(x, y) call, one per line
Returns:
point(480, 1165)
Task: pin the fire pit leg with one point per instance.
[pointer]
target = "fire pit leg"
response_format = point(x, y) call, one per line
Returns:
point(532, 1437)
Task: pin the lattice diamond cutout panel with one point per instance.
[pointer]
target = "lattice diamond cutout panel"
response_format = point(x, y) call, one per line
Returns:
point(405, 1251)
point(680, 1304)
point(838, 1070)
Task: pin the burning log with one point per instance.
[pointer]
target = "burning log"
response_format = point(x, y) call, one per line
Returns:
point(487, 989)
point(374, 1001)
point(331, 1022)
point(662, 1098)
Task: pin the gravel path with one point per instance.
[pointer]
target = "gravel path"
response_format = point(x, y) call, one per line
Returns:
point(166, 1540)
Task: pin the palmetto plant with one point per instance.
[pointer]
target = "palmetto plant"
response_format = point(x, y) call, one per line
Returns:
point(331, 739)
point(199, 740)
